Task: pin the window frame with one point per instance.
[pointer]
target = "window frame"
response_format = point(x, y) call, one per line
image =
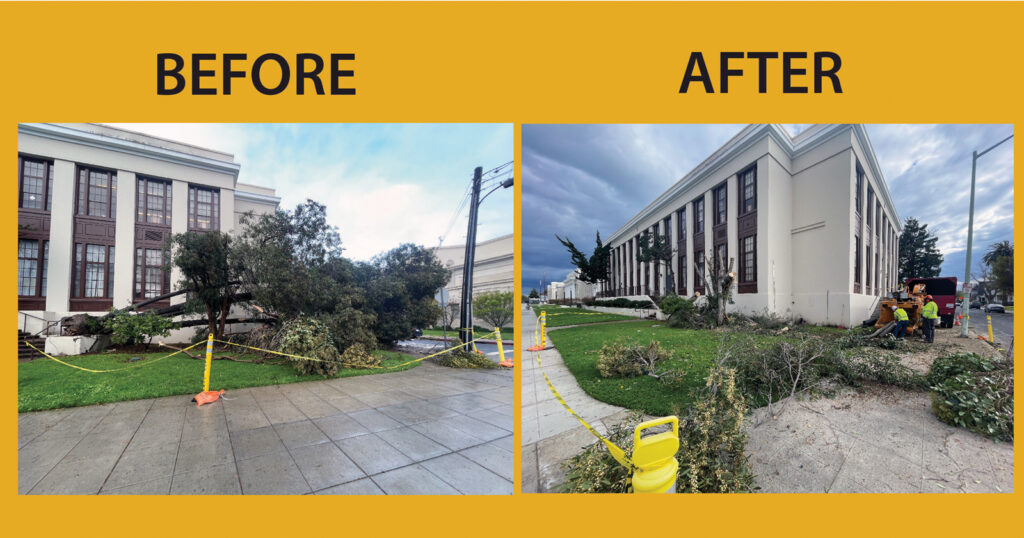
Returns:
point(750, 171)
point(142, 195)
point(80, 270)
point(746, 277)
point(47, 179)
point(41, 260)
point(83, 179)
point(193, 208)
point(720, 199)
point(698, 215)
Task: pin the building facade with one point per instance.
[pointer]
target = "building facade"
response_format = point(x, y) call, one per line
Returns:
point(806, 222)
point(96, 206)
point(492, 266)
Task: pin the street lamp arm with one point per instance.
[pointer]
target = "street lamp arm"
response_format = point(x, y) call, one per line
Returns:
point(997, 144)
point(504, 185)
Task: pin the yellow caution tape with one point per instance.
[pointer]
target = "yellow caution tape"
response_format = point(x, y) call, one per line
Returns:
point(141, 363)
point(616, 452)
point(484, 337)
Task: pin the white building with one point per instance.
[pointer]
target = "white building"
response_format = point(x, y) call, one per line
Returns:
point(95, 207)
point(575, 289)
point(493, 268)
point(807, 220)
point(556, 291)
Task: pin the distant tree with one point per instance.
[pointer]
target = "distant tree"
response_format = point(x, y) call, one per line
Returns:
point(918, 255)
point(595, 268)
point(657, 249)
point(494, 307)
point(534, 294)
point(204, 261)
point(1002, 272)
point(400, 287)
point(996, 251)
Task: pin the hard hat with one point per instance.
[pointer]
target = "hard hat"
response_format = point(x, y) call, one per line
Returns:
point(894, 307)
point(929, 297)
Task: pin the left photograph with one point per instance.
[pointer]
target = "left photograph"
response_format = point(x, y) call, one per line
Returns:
point(265, 308)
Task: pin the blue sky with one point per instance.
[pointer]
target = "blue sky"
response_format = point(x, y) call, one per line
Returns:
point(383, 184)
point(582, 178)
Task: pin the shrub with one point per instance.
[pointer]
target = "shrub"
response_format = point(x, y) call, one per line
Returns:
point(622, 302)
point(712, 440)
point(357, 357)
point(684, 314)
point(711, 443)
point(460, 358)
point(974, 392)
point(308, 337)
point(672, 303)
point(769, 321)
point(349, 327)
point(619, 359)
point(128, 328)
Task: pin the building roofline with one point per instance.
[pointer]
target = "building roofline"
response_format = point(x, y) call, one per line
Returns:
point(77, 136)
point(807, 140)
point(257, 197)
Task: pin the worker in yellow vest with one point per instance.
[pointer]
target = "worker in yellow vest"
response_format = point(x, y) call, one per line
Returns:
point(902, 319)
point(930, 314)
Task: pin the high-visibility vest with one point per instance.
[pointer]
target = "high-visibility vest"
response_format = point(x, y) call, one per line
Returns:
point(900, 315)
point(931, 310)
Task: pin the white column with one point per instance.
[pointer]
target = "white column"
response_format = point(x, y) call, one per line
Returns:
point(62, 222)
point(227, 210)
point(124, 239)
point(179, 225)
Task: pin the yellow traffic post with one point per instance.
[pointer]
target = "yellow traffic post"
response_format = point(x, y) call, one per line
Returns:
point(501, 350)
point(539, 346)
point(990, 338)
point(543, 329)
point(654, 457)
point(209, 360)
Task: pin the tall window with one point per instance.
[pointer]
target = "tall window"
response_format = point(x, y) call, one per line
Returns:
point(871, 206)
point(97, 193)
point(856, 264)
point(153, 202)
point(698, 271)
point(698, 215)
point(721, 257)
point(682, 273)
point(681, 217)
point(859, 186)
point(721, 204)
point(32, 261)
point(748, 190)
point(748, 255)
point(93, 271)
point(151, 280)
point(203, 208)
point(35, 180)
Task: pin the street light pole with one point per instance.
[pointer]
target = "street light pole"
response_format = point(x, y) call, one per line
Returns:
point(466, 304)
point(965, 303)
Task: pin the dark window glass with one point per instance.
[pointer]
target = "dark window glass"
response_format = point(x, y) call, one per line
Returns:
point(748, 190)
point(859, 187)
point(682, 224)
point(28, 266)
point(698, 216)
point(153, 202)
point(35, 182)
point(748, 253)
point(203, 208)
point(97, 193)
point(721, 204)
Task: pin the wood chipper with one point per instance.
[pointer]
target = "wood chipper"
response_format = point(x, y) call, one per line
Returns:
point(910, 299)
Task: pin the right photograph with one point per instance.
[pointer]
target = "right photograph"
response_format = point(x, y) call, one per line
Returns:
point(773, 308)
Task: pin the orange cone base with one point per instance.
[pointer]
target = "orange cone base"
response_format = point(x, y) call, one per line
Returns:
point(209, 396)
point(535, 348)
point(506, 363)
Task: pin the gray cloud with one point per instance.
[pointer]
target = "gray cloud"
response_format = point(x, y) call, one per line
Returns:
point(582, 178)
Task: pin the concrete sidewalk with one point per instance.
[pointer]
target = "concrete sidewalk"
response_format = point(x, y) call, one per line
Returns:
point(429, 430)
point(550, 434)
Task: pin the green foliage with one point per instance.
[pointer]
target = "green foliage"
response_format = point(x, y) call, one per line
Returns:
point(494, 307)
point(357, 357)
point(1002, 273)
point(595, 268)
point(460, 358)
point(127, 328)
point(975, 393)
point(919, 256)
point(622, 302)
point(621, 359)
point(683, 313)
point(350, 327)
point(1001, 249)
point(307, 337)
point(712, 438)
point(656, 249)
point(400, 286)
point(534, 294)
point(204, 259)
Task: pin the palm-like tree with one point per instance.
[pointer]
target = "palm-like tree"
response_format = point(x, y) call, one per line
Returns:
point(996, 251)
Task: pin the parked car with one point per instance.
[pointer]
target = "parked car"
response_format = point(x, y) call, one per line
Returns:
point(975, 304)
point(416, 333)
point(995, 307)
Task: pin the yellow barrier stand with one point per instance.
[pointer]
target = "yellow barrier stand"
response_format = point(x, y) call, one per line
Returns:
point(543, 329)
point(990, 338)
point(209, 361)
point(507, 363)
point(654, 457)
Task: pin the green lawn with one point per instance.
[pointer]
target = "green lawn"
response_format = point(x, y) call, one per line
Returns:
point(693, 353)
point(562, 317)
point(45, 384)
point(506, 332)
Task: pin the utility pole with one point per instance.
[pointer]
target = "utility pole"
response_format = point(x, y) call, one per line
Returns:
point(466, 308)
point(965, 303)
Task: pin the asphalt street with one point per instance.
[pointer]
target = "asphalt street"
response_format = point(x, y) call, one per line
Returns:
point(431, 346)
point(1002, 325)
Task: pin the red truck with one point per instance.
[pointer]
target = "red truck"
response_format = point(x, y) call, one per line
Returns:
point(943, 290)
